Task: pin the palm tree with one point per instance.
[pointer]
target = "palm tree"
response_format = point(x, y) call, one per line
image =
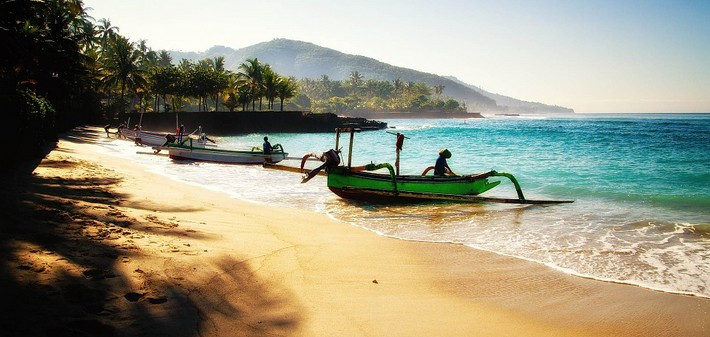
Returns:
point(106, 32)
point(164, 59)
point(244, 97)
point(355, 80)
point(147, 60)
point(286, 88)
point(221, 79)
point(87, 35)
point(185, 64)
point(121, 67)
point(397, 84)
point(270, 80)
point(231, 102)
point(82, 26)
point(239, 86)
point(438, 89)
point(251, 69)
point(164, 80)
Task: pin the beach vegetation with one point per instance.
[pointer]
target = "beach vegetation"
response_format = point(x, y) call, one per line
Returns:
point(357, 94)
point(286, 88)
point(46, 72)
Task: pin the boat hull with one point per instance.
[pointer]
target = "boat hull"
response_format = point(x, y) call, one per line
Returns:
point(381, 187)
point(223, 156)
point(148, 138)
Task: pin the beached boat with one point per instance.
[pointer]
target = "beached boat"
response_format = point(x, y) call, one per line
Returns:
point(147, 138)
point(361, 183)
point(191, 150)
point(157, 139)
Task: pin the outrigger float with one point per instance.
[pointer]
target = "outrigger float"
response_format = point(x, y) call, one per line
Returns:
point(359, 182)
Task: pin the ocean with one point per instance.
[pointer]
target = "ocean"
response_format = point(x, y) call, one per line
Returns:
point(641, 185)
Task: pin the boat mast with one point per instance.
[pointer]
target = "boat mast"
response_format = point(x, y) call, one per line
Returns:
point(337, 138)
point(350, 150)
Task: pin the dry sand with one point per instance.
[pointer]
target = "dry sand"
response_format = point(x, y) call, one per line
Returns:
point(95, 245)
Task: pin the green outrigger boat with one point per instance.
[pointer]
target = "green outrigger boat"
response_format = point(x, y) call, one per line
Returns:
point(361, 183)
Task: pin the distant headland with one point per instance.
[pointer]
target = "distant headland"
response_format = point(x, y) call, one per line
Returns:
point(304, 60)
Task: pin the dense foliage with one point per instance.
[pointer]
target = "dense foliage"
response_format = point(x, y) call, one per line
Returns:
point(46, 80)
point(206, 86)
point(358, 94)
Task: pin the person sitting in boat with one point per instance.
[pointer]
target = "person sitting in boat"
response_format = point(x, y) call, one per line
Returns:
point(441, 168)
point(267, 146)
point(204, 139)
point(169, 139)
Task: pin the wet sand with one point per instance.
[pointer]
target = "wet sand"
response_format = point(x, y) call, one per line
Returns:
point(94, 245)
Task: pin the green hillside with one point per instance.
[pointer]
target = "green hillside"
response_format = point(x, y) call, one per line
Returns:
point(307, 60)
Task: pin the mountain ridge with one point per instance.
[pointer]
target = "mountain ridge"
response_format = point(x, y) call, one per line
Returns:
point(307, 60)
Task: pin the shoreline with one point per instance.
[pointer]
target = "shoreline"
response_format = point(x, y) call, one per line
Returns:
point(219, 265)
point(334, 216)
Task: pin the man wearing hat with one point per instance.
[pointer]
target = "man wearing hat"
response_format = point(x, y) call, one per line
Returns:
point(441, 167)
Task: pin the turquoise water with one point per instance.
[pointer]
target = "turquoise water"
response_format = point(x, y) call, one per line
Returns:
point(641, 185)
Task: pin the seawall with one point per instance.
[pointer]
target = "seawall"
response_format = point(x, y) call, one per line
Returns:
point(227, 123)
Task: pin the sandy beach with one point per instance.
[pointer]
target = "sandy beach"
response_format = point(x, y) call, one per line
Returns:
point(93, 245)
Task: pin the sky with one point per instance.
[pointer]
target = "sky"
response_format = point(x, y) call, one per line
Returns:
point(592, 56)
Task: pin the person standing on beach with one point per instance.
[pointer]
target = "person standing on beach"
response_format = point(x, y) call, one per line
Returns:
point(119, 134)
point(267, 146)
point(138, 140)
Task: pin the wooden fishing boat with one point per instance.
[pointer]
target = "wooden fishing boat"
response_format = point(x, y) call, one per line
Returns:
point(362, 183)
point(158, 139)
point(153, 138)
point(190, 150)
point(147, 138)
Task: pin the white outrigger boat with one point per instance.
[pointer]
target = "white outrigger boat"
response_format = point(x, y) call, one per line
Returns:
point(147, 138)
point(192, 150)
point(158, 139)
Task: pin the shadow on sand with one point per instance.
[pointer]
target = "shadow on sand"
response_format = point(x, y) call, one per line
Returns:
point(62, 243)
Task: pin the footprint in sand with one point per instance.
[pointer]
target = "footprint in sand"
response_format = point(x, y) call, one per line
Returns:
point(133, 297)
point(97, 274)
point(36, 269)
point(157, 300)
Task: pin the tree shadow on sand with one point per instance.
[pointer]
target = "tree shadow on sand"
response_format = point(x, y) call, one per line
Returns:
point(62, 243)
